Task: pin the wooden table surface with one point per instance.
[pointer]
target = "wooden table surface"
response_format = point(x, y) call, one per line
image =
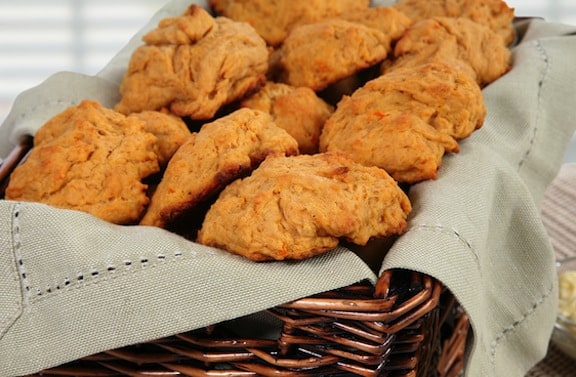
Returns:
point(559, 218)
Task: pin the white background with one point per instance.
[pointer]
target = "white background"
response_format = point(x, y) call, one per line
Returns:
point(39, 37)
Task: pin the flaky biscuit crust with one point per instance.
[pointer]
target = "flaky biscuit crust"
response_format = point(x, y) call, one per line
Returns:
point(297, 207)
point(405, 120)
point(91, 159)
point(388, 20)
point(195, 77)
point(407, 147)
point(222, 151)
point(473, 47)
point(274, 19)
point(298, 110)
point(193, 25)
point(495, 14)
point(170, 130)
point(439, 93)
point(317, 55)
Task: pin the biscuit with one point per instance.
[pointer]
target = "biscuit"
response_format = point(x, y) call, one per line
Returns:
point(190, 27)
point(196, 78)
point(495, 14)
point(317, 55)
point(300, 206)
point(438, 95)
point(473, 47)
point(297, 110)
point(170, 130)
point(404, 145)
point(222, 151)
point(388, 20)
point(273, 20)
point(91, 159)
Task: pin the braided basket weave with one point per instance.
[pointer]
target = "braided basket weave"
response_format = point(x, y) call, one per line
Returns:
point(408, 324)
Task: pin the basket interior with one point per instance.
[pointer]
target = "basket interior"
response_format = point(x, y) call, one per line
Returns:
point(406, 325)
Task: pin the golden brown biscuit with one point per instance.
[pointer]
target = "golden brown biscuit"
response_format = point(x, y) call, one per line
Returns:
point(197, 77)
point(438, 93)
point(297, 207)
point(473, 47)
point(495, 14)
point(222, 151)
point(297, 110)
point(401, 143)
point(193, 25)
point(317, 55)
point(388, 20)
point(91, 159)
point(434, 94)
point(274, 19)
point(170, 130)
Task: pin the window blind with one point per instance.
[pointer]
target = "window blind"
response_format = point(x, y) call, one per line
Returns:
point(39, 38)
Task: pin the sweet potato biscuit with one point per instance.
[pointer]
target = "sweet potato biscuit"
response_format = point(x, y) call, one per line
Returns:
point(194, 24)
point(442, 53)
point(456, 40)
point(222, 151)
point(388, 20)
point(170, 130)
point(197, 77)
point(317, 55)
point(300, 206)
point(434, 94)
point(495, 14)
point(90, 159)
point(297, 110)
point(274, 19)
point(438, 93)
point(401, 143)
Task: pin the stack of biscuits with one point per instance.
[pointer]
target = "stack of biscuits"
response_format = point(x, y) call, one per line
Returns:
point(277, 129)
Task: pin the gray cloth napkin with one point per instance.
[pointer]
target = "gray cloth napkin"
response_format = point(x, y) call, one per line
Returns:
point(478, 227)
point(71, 285)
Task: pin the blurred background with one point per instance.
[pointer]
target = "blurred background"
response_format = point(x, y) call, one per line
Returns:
point(39, 38)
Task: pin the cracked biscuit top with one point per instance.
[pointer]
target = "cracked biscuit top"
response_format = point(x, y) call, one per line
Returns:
point(298, 110)
point(91, 159)
point(495, 14)
point(473, 47)
point(275, 19)
point(170, 130)
point(222, 151)
point(320, 54)
point(300, 206)
point(404, 121)
point(192, 65)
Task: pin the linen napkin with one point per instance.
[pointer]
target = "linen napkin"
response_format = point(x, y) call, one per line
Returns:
point(478, 228)
point(72, 285)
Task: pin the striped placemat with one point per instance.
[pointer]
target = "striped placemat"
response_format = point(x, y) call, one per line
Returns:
point(559, 218)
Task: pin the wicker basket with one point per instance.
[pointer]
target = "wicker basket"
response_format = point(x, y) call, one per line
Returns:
point(406, 325)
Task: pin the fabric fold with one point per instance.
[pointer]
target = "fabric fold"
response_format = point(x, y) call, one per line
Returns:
point(88, 286)
point(72, 285)
point(35, 106)
point(477, 228)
